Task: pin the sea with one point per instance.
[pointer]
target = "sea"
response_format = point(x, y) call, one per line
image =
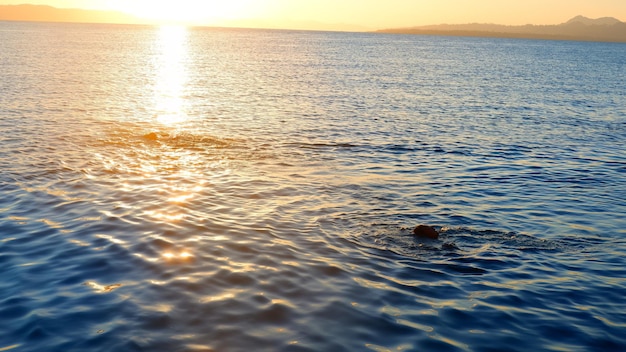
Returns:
point(212, 189)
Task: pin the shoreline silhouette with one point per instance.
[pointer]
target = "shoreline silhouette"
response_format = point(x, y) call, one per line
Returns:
point(579, 28)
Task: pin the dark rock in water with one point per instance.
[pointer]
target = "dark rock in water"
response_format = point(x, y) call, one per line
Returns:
point(425, 231)
point(151, 136)
point(449, 246)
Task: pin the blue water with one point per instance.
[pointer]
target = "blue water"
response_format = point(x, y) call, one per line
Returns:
point(171, 189)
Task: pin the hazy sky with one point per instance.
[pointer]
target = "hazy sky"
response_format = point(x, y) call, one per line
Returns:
point(368, 13)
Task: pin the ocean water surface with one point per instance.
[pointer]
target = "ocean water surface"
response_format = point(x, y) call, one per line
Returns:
point(198, 189)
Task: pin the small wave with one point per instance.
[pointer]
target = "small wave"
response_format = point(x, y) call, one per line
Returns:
point(188, 140)
point(322, 145)
point(101, 288)
point(123, 134)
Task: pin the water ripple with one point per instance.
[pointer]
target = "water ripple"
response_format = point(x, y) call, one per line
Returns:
point(267, 215)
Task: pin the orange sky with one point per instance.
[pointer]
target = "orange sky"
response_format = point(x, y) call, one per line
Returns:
point(369, 14)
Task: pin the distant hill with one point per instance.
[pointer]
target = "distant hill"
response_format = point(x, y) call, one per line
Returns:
point(44, 13)
point(53, 14)
point(606, 29)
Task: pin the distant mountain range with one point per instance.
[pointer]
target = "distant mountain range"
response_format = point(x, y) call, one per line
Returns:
point(605, 29)
point(43, 13)
point(52, 14)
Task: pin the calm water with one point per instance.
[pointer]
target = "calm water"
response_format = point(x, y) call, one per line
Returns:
point(165, 189)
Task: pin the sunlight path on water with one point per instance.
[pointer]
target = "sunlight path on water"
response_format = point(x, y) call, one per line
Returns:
point(171, 75)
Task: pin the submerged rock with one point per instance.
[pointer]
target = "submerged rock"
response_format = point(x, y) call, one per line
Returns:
point(450, 246)
point(425, 231)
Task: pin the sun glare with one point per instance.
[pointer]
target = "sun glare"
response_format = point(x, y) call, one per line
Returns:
point(194, 11)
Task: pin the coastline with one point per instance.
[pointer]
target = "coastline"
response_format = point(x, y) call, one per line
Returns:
point(504, 35)
point(579, 28)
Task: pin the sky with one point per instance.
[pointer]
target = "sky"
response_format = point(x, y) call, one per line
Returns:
point(369, 14)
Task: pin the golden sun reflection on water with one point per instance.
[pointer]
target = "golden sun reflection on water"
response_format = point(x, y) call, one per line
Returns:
point(172, 75)
point(185, 194)
point(165, 216)
point(179, 256)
